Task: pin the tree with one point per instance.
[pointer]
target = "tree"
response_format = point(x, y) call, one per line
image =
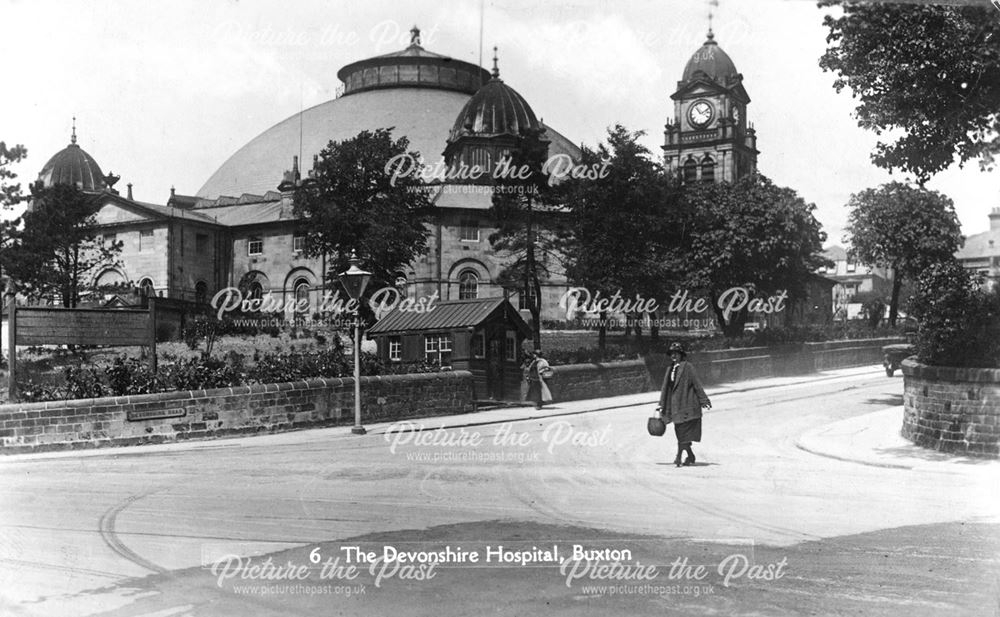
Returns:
point(622, 232)
point(529, 225)
point(904, 228)
point(354, 203)
point(59, 250)
point(931, 71)
point(750, 234)
point(10, 193)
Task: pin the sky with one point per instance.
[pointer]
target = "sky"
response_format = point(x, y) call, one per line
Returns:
point(164, 92)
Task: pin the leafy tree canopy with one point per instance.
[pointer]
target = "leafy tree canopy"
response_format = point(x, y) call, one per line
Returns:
point(750, 234)
point(354, 203)
point(928, 71)
point(58, 252)
point(902, 227)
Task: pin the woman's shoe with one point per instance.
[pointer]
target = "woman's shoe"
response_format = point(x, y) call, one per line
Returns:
point(689, 461)
point(677, 461)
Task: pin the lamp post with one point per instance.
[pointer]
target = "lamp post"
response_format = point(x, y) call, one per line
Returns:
point(354, 281)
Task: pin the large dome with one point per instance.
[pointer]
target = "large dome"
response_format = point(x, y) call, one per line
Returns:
point(74, 167)
point(712, 61)
point(417, 92)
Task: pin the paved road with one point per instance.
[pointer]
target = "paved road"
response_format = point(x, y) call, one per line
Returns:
point(131, 531)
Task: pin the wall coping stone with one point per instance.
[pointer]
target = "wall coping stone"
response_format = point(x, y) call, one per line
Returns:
point(912, 368)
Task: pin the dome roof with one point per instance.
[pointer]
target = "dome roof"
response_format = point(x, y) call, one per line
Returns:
point(413, 67)
point(711, 60)
point(496, 109)
point(423, 112)
point(73, 166)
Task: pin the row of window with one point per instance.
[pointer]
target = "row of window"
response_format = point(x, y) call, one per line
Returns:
point(438, 347)
point(255, 245)
point(707, 169)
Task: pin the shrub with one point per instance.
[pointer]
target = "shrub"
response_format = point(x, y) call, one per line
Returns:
point(959, 320)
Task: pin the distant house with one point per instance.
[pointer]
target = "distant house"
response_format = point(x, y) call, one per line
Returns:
point(855, 283)
point(483, 336)
point(981, 252)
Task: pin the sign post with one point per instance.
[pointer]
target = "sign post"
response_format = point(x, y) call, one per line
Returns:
point(11, 342)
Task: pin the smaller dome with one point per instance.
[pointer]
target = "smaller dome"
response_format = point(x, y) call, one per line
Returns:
point(711, 60)
point(495, 109)
point(73, 166)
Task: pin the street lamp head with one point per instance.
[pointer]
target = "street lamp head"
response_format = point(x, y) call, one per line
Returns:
point(355, 280)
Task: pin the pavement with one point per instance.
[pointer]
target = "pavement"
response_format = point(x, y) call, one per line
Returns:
point(871, 439)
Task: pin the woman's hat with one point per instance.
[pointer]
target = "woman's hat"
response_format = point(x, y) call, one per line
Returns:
point(676, 347)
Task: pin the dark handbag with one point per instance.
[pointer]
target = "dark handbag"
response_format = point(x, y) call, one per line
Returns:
point(656, 426)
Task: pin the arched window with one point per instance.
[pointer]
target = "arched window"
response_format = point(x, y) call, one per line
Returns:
point(201, 292)
point(301, 297)
point(468, 285)
point(708, 169)
point(146, 287)
point(255, 291)
point(690, 170)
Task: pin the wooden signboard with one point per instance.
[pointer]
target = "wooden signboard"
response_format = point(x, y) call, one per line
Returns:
point(61, 326)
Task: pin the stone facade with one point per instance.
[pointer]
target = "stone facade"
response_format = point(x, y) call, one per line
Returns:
point(952, 409)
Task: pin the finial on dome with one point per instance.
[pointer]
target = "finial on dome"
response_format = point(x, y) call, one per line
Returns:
point(711, 3)
point(414, 36)
point(72, 138)
point(496, 69)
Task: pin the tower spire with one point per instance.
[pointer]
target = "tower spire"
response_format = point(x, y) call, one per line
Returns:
point(496, 69)
point(72, 138)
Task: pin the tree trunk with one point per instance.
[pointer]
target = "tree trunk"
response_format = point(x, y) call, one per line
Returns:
point(602, 331)
point(654, 328)
point(897, 284)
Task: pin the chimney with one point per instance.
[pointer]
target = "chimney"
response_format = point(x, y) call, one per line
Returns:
point(995, 219)
point(129, 185)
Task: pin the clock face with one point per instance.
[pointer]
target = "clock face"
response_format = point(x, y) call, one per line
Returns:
point(700, 114)
point(736, 114)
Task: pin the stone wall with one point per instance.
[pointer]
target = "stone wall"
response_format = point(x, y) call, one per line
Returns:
point(952, 409)
point(90, 423)
point(583, 381)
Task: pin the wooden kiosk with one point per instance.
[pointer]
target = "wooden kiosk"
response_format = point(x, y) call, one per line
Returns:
point(482, 336)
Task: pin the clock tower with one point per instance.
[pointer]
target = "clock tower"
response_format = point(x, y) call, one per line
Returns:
point(709, 138)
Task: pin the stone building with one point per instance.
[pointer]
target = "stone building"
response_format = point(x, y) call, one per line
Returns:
point(239, 229)
point(981, 252)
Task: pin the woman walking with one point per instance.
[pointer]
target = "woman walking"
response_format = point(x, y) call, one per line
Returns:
point(681, 401)
point(535, 373)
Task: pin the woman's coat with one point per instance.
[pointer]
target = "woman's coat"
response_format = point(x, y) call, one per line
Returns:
point(684, 400)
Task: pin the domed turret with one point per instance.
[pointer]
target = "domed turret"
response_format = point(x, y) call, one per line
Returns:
point(496, 109)
point(712, 61)
point(73, 166)
point(490, 126)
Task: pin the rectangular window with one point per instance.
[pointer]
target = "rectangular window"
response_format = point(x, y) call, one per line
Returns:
point(851, 266)
point(469, 231)
point(478, 344)
point(510, 347)
point(437, 349)
point(146, 240)
point(201, 244)
point(298, 244)
point(110, 239)
point(255, 246)
point(395, 349)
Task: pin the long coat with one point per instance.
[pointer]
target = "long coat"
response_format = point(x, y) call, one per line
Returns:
point(682, 400)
